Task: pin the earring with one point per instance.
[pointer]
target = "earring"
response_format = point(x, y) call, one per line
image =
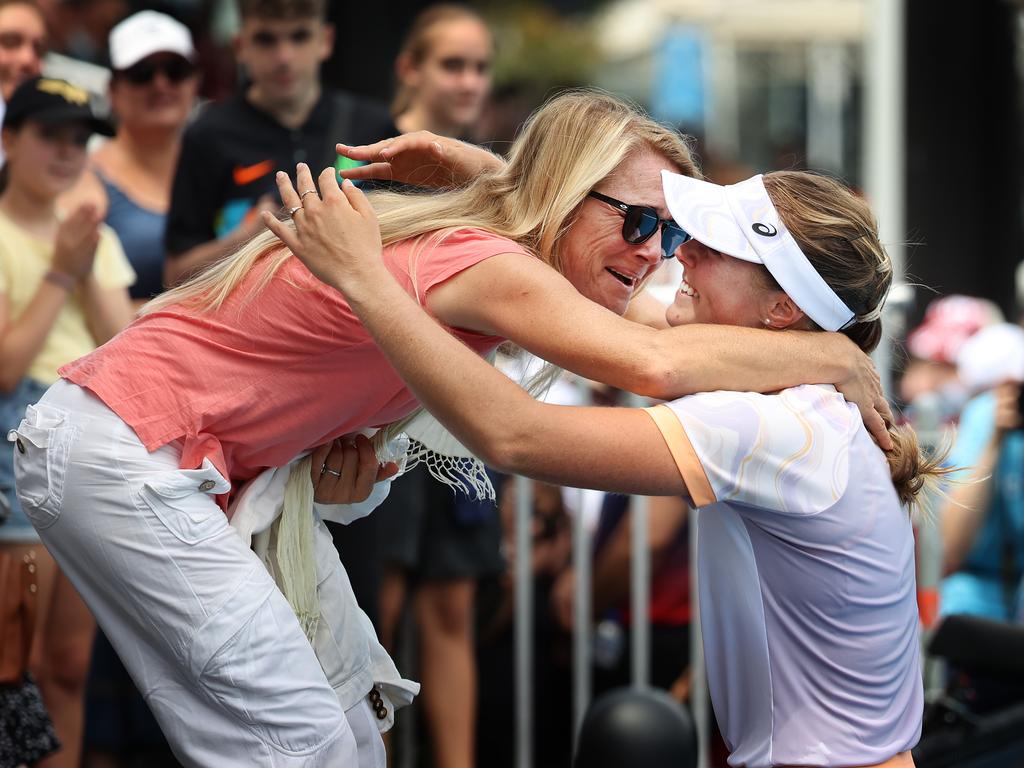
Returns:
point(767, 321)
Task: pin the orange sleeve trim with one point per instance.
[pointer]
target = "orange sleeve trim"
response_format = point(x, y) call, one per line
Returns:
point(690, 468)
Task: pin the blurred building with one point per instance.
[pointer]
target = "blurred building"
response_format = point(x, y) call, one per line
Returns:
point(767, 83)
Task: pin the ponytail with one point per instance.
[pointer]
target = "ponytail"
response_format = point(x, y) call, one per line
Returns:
point(913, 472)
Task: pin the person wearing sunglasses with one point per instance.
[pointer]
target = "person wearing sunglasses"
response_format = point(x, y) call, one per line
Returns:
point(256, 361)
point(640, 222)
point(152, 94)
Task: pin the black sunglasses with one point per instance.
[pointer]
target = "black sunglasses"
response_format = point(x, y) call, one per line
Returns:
point(177, 69)
point(642, 221)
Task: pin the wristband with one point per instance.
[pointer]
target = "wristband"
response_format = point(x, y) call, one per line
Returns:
point(62, 279)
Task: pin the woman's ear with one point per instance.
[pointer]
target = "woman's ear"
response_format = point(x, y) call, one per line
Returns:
point(782, 312)
point(9, 137)
point(406, 70)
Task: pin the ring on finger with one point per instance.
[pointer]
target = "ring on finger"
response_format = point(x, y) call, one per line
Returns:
point(307, 192)
point(294, 209)
point(329, 471)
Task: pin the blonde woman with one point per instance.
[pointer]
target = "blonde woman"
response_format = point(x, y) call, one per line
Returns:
point(125, 466)
point(806, 551)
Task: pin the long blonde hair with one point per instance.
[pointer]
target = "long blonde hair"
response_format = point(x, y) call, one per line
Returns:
point(564, 150)
point(838, 233)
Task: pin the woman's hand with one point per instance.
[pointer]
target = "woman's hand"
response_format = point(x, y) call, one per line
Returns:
point(337, 236)
point(422, 159)
point(75, 245)
point(344, 471)
point(863, 388)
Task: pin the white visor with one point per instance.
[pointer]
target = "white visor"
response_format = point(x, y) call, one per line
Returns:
point(740, 220)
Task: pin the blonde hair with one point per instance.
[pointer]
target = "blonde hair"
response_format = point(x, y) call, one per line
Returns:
point(838, 233)
point(564, 150)
point(417, 42)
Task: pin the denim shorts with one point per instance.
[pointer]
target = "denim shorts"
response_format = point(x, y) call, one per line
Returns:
point(16, 528)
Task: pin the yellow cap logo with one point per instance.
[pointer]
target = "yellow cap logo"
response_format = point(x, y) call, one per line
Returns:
point(67, 91)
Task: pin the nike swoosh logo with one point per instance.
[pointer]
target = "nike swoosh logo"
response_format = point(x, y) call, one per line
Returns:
point(246, 174)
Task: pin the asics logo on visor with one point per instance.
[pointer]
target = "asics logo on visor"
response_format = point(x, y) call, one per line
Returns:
point(766, 230)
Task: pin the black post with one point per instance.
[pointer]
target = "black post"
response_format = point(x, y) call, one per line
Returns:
point(964, 203)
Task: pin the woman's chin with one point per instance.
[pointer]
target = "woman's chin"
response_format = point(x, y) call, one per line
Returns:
point(680, 313)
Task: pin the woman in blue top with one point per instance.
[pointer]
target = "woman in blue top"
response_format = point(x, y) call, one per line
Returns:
point(983, 518)
point(152, 93)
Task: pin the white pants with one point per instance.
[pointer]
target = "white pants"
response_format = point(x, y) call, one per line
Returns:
point(211, 643)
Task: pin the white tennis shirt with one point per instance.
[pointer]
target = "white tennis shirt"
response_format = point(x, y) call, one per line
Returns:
point(806, 577)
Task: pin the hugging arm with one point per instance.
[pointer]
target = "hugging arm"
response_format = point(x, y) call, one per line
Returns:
point(520, 298)
point(422, 159)
point(493, 416)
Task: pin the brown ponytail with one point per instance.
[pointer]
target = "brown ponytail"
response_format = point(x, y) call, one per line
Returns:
point(839, 235)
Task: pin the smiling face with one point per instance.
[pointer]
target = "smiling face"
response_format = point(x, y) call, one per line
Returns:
point(595, 258)
point(723, 290)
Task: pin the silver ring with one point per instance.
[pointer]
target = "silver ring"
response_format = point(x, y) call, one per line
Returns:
point(329, 471)
point(292, 211)
point(307, 192)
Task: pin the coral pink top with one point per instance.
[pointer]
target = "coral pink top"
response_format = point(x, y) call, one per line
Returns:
point(256, 382)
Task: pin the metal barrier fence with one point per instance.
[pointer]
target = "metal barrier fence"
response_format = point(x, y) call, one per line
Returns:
point(640, 630)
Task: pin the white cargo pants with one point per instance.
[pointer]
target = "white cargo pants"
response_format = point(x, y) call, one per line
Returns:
point(210, 641)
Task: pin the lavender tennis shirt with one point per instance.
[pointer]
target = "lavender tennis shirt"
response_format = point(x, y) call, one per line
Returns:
point(806, 578)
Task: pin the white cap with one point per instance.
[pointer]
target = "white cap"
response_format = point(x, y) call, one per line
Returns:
point(740, 221)
point(147, 32)
point(992, 355)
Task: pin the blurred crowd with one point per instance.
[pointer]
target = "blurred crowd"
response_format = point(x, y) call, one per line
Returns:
point(138, 150)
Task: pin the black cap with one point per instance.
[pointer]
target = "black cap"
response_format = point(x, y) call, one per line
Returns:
point(49, 101)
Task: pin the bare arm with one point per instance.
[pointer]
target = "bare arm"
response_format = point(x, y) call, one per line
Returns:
point(107, 310)
point(968, 504)
point(518, 297)
point(494, 417)
point(22, 340)
point(500, 422)
point(422, 159)
point(522, 299)
point(647, 310)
